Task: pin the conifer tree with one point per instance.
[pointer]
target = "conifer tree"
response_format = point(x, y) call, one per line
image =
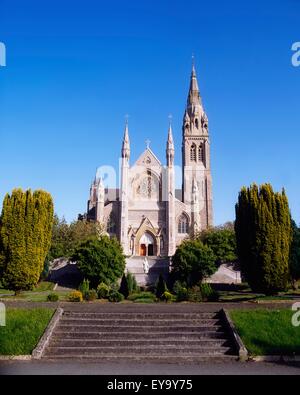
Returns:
point(263, 233)
point(25, 237)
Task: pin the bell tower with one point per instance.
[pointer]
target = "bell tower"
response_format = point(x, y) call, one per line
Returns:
point(196, 173)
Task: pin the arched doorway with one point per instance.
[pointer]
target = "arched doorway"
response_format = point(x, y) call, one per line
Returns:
point(147, 245)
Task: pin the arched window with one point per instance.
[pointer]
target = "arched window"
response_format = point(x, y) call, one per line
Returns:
point(183, 224)
point(193, 153)
point(148, 187)
point(201, 153)
point(197, 123)
point(111, 224)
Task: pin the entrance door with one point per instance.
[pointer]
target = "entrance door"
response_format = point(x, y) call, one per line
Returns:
point(143, 249)
point(150, 250)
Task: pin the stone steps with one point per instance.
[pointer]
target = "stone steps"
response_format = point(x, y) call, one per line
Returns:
point(170, 359)
point(134, 316)
point(113, 342)
point(171, 350)
point(157, 266)
point(174, 336)
point(161, 337)
point(140, 323)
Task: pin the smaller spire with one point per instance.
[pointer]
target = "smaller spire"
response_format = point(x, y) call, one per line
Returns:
point(126, 142)
point(170, 137)
point(170, 145)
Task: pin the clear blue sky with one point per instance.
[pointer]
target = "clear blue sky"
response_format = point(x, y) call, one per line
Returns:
point(75, 68)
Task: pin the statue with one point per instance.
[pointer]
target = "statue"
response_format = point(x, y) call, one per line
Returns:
point(146, 265)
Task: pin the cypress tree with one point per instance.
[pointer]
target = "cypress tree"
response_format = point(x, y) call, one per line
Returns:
point(124, 289)
point(25, 237)
point(263, 232)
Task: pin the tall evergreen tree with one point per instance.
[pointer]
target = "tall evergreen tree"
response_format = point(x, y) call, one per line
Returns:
point(295, 253)
point(263, 233)
point(25, 237)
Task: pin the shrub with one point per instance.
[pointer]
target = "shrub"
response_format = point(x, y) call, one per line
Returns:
point(132, 283)
point(115, 296)
point(75, 296)
point(103, 291)
point(52, 297)
point(100, 260)
point(167, 296)
point(124, 289)
point(182, 295)
point(180, 290)
point(136, 297)
point(208, 293)
point(91, 295)
point(161, 287)
point(84, 288)
point(194, 294)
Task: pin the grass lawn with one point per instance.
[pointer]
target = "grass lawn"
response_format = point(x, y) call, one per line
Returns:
point(267, 332)
point(23, 329)
point(44, 286)
point(33, 296)
point(5, 291)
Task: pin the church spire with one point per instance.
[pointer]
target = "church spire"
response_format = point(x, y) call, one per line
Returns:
point(194, 94)
point(170, 146)
point(126, 143)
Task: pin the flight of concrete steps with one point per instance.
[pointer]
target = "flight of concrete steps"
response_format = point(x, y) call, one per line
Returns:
point(157, 266)
point(158, 337)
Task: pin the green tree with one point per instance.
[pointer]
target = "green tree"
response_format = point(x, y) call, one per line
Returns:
point(193, 262)
point(222, 241)
point(100, 260)
point(295, 253)
point(25, 237)
point(263, 232)
point(67, 237)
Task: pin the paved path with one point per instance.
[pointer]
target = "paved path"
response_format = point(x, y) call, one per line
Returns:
point(130, 368)
point(142, 307)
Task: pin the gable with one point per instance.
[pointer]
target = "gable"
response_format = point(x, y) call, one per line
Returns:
point(148, 159)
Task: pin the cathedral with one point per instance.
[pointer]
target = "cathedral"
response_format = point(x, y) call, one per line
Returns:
point(148, 215)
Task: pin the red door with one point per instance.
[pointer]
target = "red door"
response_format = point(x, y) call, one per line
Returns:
point(143, 249)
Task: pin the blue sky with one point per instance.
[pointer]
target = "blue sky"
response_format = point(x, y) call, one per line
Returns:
point(75, 68)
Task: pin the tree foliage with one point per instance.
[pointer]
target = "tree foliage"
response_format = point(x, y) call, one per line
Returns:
point(295, 253)
point(193, 262)
point(100, 260)
point(222, 241)
point(263, 232)
point(25, 237)
point(67, 237)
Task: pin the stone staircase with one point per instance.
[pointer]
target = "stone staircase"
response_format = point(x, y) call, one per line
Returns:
point(157, 266)
point(155, 337)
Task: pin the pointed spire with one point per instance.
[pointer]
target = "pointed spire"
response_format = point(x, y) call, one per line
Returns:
point(194, 94)
point(170, 145)
point(126, 142)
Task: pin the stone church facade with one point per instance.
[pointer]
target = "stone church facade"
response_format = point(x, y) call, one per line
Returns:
point(147, 214)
